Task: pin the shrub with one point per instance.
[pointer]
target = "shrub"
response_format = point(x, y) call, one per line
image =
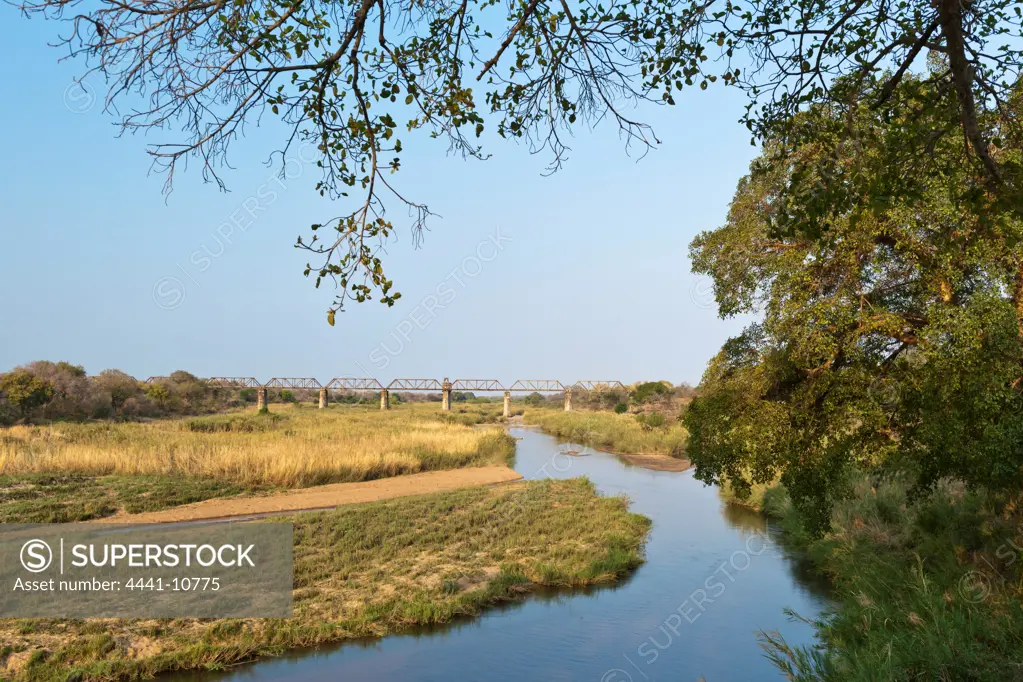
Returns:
point(158, 393)
point(621, 408)
point(287, 396)
point(248, 395)
point(651, 420)
point(648, 390)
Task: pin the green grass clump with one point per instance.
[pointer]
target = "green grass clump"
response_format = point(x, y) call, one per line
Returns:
point(616, 432)
point(368, 570)
point(928, 590)
point(237, 423)
point(65, 498)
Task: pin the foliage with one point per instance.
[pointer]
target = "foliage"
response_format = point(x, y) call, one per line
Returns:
point(535, 399)
point(923, 591)
point(348, 81)
point(891, 330)
point(621, 408)
point(25, 391)
point(650, 389)
point(652, 420)
point(113, 394)
point(287, 396)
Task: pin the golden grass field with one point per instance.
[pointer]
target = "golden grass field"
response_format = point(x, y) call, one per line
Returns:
point(293, 446)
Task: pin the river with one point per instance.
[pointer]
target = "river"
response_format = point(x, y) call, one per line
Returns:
point(714, 576)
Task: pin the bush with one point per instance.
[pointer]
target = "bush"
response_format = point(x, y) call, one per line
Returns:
point(651, 420)
point(248, 395)
point(621, 408)
point(648, 390)
point(287, 396)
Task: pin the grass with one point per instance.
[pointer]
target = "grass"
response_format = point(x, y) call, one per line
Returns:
point(65, 498)
point(470, 413)
point(925, 591)
point(616, 432)
point(289, 447)
point(365, 570)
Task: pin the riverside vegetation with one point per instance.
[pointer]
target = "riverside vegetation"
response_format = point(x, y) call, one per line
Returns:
point(881, 382)
point(621, 433)
point(925, 588)
point(365, 570)
point(360, 570)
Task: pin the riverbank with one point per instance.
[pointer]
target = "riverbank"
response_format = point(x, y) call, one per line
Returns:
point(925, 591)
point(366, 571)
point(620, 434)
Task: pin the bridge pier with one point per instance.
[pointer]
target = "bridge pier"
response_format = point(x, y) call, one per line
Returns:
point(568, 400)
point(261, 398)
point(445, 395)
point(507, 403)
point(323, 398)
point(385, 399)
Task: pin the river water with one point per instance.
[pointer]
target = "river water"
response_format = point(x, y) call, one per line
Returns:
point(714, 577)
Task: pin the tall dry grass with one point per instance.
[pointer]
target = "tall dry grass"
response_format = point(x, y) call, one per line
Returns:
point(290, 447)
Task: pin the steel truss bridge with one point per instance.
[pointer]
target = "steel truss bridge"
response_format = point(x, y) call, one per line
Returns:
point(445, 387)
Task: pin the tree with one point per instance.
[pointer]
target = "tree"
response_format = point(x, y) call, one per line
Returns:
point(891, 291)
point(647, 390)
point(119, 385)
point(345, 78)
point(25, 391)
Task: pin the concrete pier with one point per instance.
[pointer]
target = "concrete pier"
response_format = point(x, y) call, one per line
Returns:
point(323, 398)
point(445, 395)
point(385, 399)
point(568, 400)
point(261, 398)
point(507, 403)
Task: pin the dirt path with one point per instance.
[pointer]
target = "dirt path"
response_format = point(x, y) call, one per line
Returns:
point(325, 496)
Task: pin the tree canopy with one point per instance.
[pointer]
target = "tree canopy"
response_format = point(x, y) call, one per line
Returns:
point(353, 78)
point(889, 288)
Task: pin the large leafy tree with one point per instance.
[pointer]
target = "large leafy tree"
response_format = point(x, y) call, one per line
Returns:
point(354, 77)
point(25, 391)
point(888, 288)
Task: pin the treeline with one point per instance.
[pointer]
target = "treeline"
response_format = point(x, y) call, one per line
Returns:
point(43, 391)
point(642, 397)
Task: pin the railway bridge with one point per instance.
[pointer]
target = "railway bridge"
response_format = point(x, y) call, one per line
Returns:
point(445, 387)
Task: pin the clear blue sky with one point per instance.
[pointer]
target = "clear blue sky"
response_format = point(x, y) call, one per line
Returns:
point(592, 281)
